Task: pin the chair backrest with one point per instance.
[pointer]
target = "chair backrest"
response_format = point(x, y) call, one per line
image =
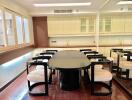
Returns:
point(33, 63)
point(115, 50)
point(115, 56)
point(41, 57)
point(95, 56)
point(81, 50)
point(90, 52)
point(46, 53)
point(51, 50)
point(98, 63)
point(123, 63)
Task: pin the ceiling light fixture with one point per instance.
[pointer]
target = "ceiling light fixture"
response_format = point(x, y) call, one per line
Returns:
point(62, 4)
point(124, 2)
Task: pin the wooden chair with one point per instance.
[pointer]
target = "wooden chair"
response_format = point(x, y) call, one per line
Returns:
point(44, 58)
point(100, 76)
point(37, 77)
point(125, 68)
point(114, 58)
point(52, 51)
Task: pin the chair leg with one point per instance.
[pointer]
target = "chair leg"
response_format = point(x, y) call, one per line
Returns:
point(118, 72)
point(50, 77)
point(107, 86)
point(53, 71)
point(92, 88)
point(127, 73)
point(31, 87)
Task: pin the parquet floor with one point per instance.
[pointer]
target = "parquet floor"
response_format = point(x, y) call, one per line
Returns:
point(18, 91)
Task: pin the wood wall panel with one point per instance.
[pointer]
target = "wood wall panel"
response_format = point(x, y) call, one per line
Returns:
point(40, 31)
point(9, 55)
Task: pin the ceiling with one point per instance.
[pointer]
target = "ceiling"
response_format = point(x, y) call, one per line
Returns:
point(96, 6)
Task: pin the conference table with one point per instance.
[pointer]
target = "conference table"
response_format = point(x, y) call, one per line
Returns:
point(69, 63)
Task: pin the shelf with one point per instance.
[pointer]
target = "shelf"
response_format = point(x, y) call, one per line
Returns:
point(115, 34)
point(88, 35)
point(69, 35)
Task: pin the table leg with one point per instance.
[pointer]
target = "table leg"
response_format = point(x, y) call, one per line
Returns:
point(69, 79)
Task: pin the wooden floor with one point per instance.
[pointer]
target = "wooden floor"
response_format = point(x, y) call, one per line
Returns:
point(18, 91)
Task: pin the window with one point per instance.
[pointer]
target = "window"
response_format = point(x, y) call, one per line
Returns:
point(83, 25)
point(14, 30)
point(101, 25)
point(107, 24)
point(91, 25)
point(26, 31)
point(1, 29)
point(87, 24)
point(19, 29)
point(9, 28)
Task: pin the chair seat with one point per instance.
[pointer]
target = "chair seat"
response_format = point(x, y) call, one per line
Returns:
point(48, 55)
point(98, 66)
point(110, 58)
point(114, 59)
point(125, 65)
point(93, 60)
point(39, 67)
point(43, 60)
point(37, 75)
point(101, 75)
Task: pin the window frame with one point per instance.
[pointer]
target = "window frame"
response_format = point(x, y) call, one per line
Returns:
point(25, 32)
point(7, 47)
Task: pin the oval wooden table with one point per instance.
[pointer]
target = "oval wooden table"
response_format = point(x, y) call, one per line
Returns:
point(69, 63)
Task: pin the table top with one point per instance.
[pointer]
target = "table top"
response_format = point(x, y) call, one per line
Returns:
point(69, 59)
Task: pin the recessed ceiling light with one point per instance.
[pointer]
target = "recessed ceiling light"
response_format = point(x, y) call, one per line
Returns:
point(62, 4)
point(124, 2)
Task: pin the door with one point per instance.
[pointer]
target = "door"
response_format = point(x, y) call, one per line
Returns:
point(40, 31)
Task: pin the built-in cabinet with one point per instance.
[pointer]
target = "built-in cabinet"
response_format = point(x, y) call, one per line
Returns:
point(71, 25)
point(114, 30)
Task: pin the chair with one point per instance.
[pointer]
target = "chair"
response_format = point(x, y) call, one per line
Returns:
point(43, 58)
point(100, 76)
point(125, 68)
point(53, 52)
point(115, 50)
point(37, 77)
point(93, 56)
point(114, 58)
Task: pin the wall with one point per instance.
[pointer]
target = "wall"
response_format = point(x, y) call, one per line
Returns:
point(7, 56)
point(14, 7)
point(70, 41)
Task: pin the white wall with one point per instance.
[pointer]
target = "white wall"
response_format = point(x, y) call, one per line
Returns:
point(72, 41)
point(14, 7)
